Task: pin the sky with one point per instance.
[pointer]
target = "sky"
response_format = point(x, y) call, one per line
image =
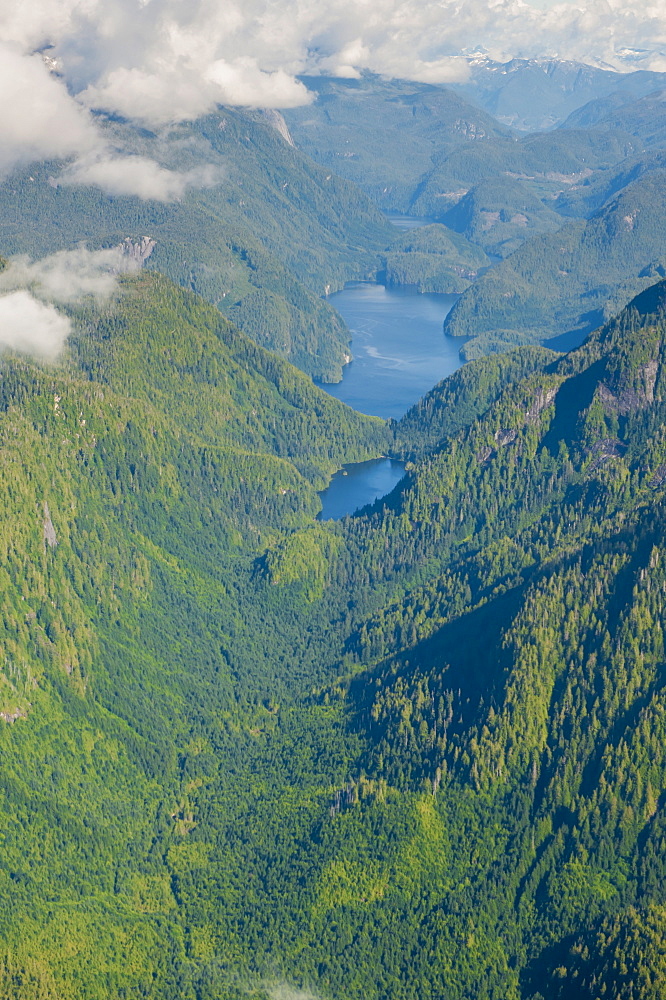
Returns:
point(158, 62)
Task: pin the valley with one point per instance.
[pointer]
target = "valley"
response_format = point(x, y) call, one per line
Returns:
point(252, 746)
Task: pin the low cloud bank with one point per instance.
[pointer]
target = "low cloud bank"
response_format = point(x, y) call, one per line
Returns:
point(164, 61)
point(32, 327)
point(137, 175)
point(30, 289)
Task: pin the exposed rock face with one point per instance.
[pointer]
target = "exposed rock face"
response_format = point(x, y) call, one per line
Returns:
point(604, 449)
point(140, 250)
point(503, 437)
point(275, 119)
point(543, 398)
point(50, 538)
point(630, 399)
point(658, 478)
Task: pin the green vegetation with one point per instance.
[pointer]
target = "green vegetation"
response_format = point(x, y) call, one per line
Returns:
point(265, 243)
point(569, 281)
point(434, 259)
point(538, 93)
point(420, 148)
point(418, 752)
point(500, 215)
point(385, 135)
point(414, 752)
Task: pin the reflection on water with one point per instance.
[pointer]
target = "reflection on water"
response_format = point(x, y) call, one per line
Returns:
point(359, 484)
point(398, 346)
point(407, 221)
point(399, 353)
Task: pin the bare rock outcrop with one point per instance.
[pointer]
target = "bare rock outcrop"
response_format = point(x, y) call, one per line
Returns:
point(138, 250)
point(50, 538)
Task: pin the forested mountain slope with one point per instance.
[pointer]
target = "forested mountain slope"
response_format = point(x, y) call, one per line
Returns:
point(263, 234)
point(434, 259)
point(420, 148)
point(143, 477)
point(536, 94)
point(384, 135)
point(502, 832)
point(414, 752)
point(568, 281)
point(644, 117)
point(499, 215)
point(532, 671)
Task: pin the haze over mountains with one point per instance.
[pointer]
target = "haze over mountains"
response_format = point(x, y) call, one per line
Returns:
point(419, 751)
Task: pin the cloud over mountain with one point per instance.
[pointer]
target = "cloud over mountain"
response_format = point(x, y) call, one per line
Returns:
point(161, 61)
point(29, 321)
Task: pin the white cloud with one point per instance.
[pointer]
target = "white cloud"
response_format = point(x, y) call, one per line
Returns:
point(29, 321)
point(68, 275)
point(137, 175)
point(162, 61)
point(31, 327)
point(38, 118)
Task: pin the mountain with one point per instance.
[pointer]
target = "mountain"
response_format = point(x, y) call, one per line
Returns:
point(566, 282)
point(500, 215)
point(423, 149)
point(643, 117)
point(385, 135)
point(537, 94)
point(434, 259)
point(413, 752)
point(546, 164)
point(145, 475)
point(592, 193)
point(522, 690)
point(264, 241)
point(416, 752)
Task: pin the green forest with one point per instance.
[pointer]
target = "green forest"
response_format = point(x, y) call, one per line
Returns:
point(246, 752)
point(416, 753)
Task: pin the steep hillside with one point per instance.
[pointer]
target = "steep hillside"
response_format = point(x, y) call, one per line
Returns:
point(546, 164)
point(434, 258)
point(417, 752)
point(501, 215)
point(545, 693)
point(591, 194)
point(536, 94)
point(263, 239)
point(143, 477)
point(503, 830)
point(567, 282)
point(643, 117)
point(385, 135)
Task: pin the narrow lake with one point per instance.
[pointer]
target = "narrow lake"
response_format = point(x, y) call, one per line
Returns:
point(398, 347)
point(406, 222)
point(359, 484)
point(399, 353)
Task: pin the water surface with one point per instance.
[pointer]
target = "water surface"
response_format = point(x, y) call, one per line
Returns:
point(357, 485)
point(406, 222)
point(398, 347)
point(399, 352)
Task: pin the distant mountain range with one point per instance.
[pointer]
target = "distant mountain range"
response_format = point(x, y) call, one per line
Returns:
point(264, 243)
point(536, 94)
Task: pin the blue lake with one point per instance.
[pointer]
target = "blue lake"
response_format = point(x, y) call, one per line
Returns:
point(398, 348)
point(406, 222)
point(399, 353)
point(357, 485)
